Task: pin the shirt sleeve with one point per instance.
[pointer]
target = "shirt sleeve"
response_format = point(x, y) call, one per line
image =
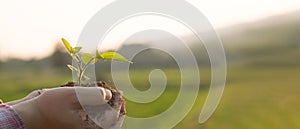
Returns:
point(9, 119)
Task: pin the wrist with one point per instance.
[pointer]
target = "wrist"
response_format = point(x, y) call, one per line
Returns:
point(29, 114)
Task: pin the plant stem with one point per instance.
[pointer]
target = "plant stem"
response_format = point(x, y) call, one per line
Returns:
point(78, 62)
point(82, 69)
point(79, 77)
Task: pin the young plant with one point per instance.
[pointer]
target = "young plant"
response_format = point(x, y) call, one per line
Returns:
point(86, 59)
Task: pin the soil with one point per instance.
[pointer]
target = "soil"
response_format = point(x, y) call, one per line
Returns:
point(116, 102)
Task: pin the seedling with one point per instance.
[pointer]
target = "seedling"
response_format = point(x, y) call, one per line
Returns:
point(86, 59)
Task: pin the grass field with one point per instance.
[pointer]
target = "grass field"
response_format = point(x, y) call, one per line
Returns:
point(259, 98)
point(254, 97)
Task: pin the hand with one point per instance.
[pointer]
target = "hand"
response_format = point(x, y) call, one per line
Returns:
point(31, 95)
point(56, 108)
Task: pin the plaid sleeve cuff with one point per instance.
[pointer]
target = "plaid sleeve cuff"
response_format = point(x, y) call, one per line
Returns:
point(9, 119)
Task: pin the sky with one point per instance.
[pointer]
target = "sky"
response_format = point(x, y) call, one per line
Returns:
point(31, 28)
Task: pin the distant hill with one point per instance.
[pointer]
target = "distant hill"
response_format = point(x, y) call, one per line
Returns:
point(273, 40)
point(270, 41)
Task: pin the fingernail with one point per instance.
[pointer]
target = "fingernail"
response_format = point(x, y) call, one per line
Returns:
point(108, 94)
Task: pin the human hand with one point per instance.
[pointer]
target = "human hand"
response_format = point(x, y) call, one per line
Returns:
point(56, 108)
point(31, 95)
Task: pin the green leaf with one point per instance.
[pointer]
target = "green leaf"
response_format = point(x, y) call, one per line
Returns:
point(98, 56)
point(67, 45)
point(76, 50)
point(114, 56)
point(86, 58)
point(71, 67)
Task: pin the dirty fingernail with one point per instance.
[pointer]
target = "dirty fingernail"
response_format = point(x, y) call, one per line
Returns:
point(108, 94)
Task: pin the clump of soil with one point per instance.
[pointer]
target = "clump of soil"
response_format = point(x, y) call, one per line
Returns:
point(116, 102)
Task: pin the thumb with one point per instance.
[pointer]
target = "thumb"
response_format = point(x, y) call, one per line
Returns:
point(92, 96)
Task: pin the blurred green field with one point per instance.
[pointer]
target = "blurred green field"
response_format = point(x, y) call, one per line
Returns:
point(254, 97)
point(15, 85)
point(259, 98)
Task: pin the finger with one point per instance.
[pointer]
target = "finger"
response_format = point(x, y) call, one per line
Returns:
point(34, 94)
point(119, 123)
point(76, 97)
point(123, 108)
point(117, 100)
point(41, 91)
point(108, 94)
point(30, 96)
point(92, 96)
point(121, 119)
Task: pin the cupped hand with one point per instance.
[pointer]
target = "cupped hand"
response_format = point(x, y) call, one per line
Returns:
point(56, 108)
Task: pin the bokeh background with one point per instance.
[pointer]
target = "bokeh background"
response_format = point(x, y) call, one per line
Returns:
point(261, 40)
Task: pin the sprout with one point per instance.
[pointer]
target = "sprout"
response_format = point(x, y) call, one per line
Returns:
point(87, 59)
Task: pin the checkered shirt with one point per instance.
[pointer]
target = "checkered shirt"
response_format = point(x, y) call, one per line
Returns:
point(9, 119)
